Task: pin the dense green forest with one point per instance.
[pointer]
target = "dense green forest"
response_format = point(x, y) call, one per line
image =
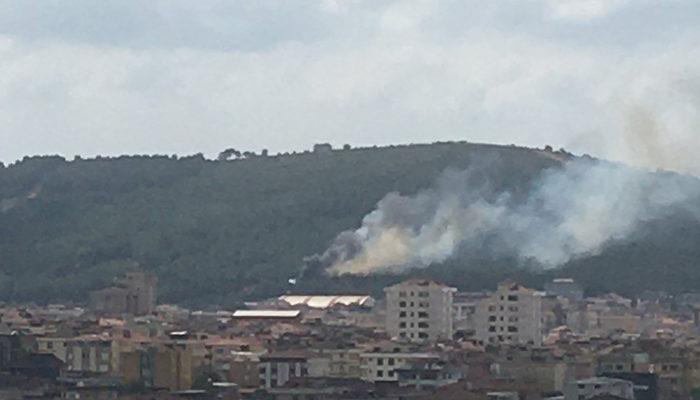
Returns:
point(236, 229)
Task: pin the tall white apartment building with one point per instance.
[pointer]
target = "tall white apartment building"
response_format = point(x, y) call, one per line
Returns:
point(419, 310)
point(511, 315)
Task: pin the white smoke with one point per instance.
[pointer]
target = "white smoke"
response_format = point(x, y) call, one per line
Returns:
point(568, 212)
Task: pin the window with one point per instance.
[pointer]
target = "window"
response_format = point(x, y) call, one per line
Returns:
point(402, 304)
point(413, 294)
point(402, 294)
point(380, 361)
point(512, 319)
point(423, 325)
point(422, 335)
point(391, 373)
point(380, 374)
point(422, 314)
point(492, 308)
point(512, 297)
point(402, 314)
point(402, 325)
point(402, 334)
point(512, 328)
point(492, 328)
point(391, 361)
point(423, 294)
point(492, 318)
point(49, 345)
point(513, 308)
point(413, 304)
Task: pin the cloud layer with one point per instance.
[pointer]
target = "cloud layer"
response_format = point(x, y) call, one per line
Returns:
point(619, 79)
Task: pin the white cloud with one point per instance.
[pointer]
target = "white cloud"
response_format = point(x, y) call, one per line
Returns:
point(583, 9)
point(362, 72)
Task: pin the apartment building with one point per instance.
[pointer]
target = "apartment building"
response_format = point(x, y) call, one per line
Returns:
point(385, 366)
point(134, 294)
point(511, 315)
point(53, 345)
point(464, 311)
point(276, 369)
point(419, 310)
point(595, 388)
point(91, 353)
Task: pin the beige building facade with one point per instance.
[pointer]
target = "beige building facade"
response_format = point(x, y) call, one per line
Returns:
point(511, 315)
point(419, 310)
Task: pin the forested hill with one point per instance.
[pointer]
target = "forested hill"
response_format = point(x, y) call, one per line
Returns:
point(219, 232)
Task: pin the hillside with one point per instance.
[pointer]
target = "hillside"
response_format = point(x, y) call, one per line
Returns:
point(220, 232)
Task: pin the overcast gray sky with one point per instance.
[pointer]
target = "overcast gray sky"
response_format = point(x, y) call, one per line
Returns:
point(615, 78)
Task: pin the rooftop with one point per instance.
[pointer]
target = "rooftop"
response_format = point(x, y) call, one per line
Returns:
point(266, 313)
point(327, 301)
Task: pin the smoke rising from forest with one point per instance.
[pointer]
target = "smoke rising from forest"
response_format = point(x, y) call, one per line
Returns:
point(567, 212)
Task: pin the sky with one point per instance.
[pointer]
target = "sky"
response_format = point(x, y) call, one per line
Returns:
point(618, 79)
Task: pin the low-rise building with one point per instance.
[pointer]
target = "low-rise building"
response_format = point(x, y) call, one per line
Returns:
point(277, 368)
point(381, 366)
point(597, 387)
point(92, 354)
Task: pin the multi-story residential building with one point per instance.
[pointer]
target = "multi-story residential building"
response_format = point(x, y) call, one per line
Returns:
point(419, 310)
point(276, 369)
point(381, 366)
point(544, 371)
point(53, 345)
point(464, 311)
point(511, 315)
point(597, 388)
point(10, 349)
point(422, 374)
point(134, 294)
point(163, 365)
point(342, 362)
point(244, 369)
point(92, 353)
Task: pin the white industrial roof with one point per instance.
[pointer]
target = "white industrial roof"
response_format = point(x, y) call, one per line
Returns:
point(266, 313)
point(327, 301)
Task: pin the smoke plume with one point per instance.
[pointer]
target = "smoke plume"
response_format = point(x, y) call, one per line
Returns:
point(566, 212)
